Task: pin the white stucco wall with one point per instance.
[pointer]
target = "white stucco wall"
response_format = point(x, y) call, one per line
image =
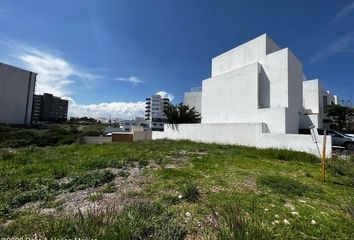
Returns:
point(193, 99)
point(247, 134)
point(242, 55)
point(225, 99)
point(16, 94)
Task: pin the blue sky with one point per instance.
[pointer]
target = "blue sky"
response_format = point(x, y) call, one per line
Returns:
point(109, 55)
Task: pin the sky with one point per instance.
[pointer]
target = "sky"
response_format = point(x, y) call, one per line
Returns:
point(107, 56)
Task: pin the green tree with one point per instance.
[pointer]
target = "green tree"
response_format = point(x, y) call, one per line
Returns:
point(181, 114)
point(342, 117)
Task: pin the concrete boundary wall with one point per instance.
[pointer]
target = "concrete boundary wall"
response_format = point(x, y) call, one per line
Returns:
point(246, 134)
point(97, 140)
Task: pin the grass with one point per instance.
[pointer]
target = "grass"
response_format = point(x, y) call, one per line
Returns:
point(229, 192)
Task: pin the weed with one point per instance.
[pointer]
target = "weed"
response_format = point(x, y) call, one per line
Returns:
point(231, 222)
point(108, 188)
point(123, 173)
point(141, 220)
point(90, 179)
point(96, 196)
point(190, 191)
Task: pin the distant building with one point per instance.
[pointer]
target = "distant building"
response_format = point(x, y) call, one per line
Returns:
point(154, 112)
point(16, 94)
point(194, 99)
point(48, 108)
point(129, 125)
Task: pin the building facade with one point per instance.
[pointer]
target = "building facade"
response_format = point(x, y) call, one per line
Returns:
point(154, 112)
point(16, 94)
point(49, 108)
point(316, 99)
point(193, 98)
point(259, 82)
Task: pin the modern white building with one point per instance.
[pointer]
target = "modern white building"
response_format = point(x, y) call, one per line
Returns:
point(257, 96)
point(154, 112)
point(316, 99)
point(193, 98)
point(16, 94)
point(259, 82)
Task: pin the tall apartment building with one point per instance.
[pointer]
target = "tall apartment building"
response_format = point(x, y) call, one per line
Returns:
point(154, 112)
point(48, 108)
point(16, 94)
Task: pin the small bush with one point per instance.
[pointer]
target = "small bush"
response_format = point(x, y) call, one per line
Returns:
point(190, 191)
point(6, 154)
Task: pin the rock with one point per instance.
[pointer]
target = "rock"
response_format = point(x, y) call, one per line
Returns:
point(188, 214)
point(180, 196)
point(313, 222)
point(286, 222)
point(275, 222)
point(276, 216)
point(272, 205)
point(266, 209)
point(295, 213)
point(288, 205)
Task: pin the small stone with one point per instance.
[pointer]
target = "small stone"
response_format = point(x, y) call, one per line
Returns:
point(188, 214)
point(266, 209)
point(276, 216)
point(288, 205)
point(199, 224)
point(286, 222)
point(275, 222)
point(272, 205)
point(180, 196)
point(313, 222)
point(295, 213)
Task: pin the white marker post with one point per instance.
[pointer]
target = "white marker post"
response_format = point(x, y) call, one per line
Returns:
point(315, 137)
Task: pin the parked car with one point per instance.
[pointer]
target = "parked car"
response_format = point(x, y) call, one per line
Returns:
point(339, 139)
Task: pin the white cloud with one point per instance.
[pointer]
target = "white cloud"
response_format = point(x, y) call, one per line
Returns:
point(164, 94)
point(346, 11)
point(343, 44)
point(54, 74)
point(124, 110)
point(132, 79)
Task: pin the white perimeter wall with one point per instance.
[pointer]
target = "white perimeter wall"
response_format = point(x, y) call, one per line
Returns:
point(247, 134)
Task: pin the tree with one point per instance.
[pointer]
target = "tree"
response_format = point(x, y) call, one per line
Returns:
point(342, 117)
point(181, 114)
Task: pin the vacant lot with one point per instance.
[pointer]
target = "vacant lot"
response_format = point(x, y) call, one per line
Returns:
point(173, 190)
